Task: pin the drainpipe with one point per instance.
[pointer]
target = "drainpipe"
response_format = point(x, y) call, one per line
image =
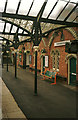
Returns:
point(15, 63)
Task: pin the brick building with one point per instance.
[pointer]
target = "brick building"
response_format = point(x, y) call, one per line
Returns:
point(52, 55)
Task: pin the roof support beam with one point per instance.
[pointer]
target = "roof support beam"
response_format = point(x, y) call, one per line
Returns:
point(19, 34)
point(49, 31)
point(41, 20)
point(4, 27)
point(18, 6)
point(15, 25)
point(5, 6)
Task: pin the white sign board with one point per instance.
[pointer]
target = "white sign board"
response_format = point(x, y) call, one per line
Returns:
point(46, 61)
point(61, 43)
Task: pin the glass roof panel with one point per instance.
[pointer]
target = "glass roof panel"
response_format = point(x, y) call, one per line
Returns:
point(72, 16)
point(2, 26)
point(24, 7)
point(67, 10)
point(48, 7)
point(20, 30)
point(2, 5)
point(36, 7)
point(7, 29)
point(12, 6)
point(25, 32)
point(14, 29)
point(60, 5)
point(76, 1)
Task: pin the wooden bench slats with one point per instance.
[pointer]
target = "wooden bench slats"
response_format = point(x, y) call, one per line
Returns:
point(50, 74)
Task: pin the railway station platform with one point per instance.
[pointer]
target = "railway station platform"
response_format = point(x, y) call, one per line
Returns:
point(52, 101)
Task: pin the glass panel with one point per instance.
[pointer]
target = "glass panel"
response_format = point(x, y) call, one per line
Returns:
point(12, 6)
point(25, 32)
point(14, 29)
point(36, 7)
point(7, 29)
point(76, 1)
point(60, 5)
point(24, 7)
point(72, 17)
point(1, 26)
point(20, 30)
point(48, 7)
point(2, 5)
point(69, 7)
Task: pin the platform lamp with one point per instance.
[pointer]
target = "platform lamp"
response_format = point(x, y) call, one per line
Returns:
point(7, 51)
point(2, 59)
point(24, 58)
point(16, 45)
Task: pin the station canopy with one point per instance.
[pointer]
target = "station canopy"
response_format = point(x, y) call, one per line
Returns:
point(19, 16)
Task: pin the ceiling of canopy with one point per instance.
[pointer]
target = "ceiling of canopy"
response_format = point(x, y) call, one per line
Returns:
point(19, 15)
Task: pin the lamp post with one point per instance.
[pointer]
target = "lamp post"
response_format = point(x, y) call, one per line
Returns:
point(7, 59)
point(16, 45)
point(15, 63)
point(24, 60)
point(2, 60)
point(35, 82)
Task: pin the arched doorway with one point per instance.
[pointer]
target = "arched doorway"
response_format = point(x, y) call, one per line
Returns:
point(42, 63)
point(71, 60)
point(73, 70)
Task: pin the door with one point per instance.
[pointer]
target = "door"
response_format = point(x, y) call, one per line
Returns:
point(73, 70)
point(43, 63)
point(27, 60)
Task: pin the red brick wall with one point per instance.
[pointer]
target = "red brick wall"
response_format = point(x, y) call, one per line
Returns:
point(62, 63)
point(61, 49)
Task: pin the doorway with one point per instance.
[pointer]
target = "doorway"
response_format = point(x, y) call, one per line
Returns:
point(27, 60)
point(73, 71)
point(42, 64)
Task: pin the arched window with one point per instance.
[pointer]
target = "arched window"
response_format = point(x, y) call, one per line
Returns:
point(57, 56)
point(53, 59)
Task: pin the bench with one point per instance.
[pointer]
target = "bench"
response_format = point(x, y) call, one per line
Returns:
point(50, 74)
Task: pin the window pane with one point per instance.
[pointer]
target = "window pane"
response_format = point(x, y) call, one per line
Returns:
point(24, 7)
point(2, 5)
point(72, 16)
point(76, 1)
point(7, 29)
point(12, 6)
point(57, 9)
point(36, 7)
point(1, 26)
point(14, 29)
point(64, 14)
point(48, 7)
point(20, 30)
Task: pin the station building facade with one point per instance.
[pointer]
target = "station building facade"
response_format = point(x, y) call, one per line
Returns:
point(52, 55)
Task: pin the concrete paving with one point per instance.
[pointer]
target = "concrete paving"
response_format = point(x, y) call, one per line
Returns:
point(10, 108)
point(53, 101)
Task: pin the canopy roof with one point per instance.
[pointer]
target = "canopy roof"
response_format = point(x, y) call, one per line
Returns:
point(19, 16)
